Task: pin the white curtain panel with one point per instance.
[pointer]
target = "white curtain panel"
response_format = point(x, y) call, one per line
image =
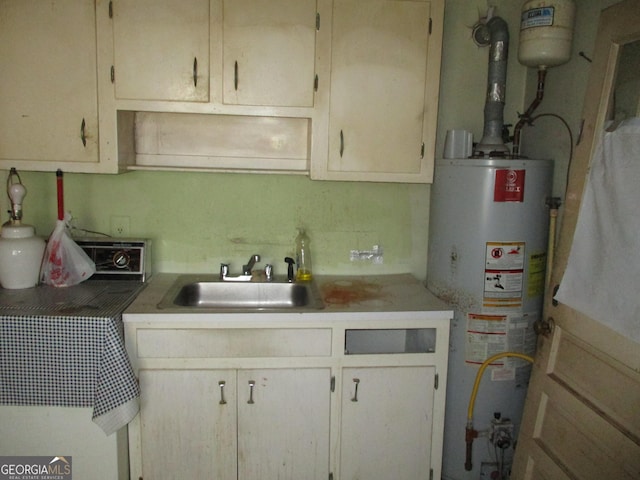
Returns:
point(602, 279)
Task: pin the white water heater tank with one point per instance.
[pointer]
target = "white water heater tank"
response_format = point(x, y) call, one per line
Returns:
point(488, 229)
point(546, 32)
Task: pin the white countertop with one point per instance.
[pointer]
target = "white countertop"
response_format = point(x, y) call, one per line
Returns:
point(344, 296)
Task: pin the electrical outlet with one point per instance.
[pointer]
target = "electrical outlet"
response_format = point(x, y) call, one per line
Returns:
point(120, 226)
point(375, 255)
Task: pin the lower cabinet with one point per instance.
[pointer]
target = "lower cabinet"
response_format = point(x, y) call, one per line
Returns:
point(299, 399)
point(387, 419)
point(229, 424)
point(283, 423)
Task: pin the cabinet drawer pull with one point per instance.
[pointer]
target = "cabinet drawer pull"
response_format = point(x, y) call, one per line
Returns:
point(235, 76)
point(252, 383)
point(341, 143)
point(195, 71)
point(221, 383)
point(356, 381)
point(83, 135)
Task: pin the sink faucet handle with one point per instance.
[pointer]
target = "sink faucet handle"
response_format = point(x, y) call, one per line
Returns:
point(290, 262)
point(268, 272)
point(224, 270)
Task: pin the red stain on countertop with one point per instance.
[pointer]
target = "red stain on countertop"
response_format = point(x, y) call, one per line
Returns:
point(343, 292)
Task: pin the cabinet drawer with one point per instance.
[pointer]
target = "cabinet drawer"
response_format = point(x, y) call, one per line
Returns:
point(213, 343)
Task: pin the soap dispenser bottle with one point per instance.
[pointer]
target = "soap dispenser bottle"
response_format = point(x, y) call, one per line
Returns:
point(303, 257)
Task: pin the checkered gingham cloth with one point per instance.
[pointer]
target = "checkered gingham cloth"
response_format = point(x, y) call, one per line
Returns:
point(70, 361)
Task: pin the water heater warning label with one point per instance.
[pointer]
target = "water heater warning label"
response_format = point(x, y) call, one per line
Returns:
point(509, 185)
point(488, 335)
point(503, 276)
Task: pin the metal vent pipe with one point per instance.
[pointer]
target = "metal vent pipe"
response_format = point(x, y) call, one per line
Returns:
point(492, 143)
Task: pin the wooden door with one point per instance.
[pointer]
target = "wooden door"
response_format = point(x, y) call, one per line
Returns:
point(387, 419)
point(582, 414)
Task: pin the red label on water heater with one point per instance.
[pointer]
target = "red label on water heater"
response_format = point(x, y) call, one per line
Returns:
point(509, 185)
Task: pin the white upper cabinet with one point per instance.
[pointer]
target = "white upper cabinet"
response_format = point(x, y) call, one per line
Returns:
point(161, 49)
point(350, 87)
point(49, 99)
point(269, 52)
point(222, 52)
point(237, 69)
point(385, 69)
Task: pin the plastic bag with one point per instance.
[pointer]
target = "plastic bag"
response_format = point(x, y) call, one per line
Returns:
point(65, 263)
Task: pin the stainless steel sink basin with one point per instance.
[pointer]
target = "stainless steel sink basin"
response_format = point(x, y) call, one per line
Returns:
point(208, 292)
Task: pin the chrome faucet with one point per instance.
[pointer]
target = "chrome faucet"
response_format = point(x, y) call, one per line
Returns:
point(246, 269)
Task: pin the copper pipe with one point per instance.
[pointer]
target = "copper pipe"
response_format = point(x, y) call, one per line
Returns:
point(470, 434)
point(526, 116)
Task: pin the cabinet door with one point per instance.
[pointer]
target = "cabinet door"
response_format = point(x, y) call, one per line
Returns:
point(387, 416)
point(384, 90)
point(188, 424)
point(283, 424)
point(48, 100)
point(269, 52)
point(161, 49)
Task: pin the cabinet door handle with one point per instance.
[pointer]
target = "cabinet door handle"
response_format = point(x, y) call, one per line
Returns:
point(252, 383)
point(356, 381)
point(83, 135)
point(195, 71)
point(235, 75)
point(341, 143)
point(221, 384)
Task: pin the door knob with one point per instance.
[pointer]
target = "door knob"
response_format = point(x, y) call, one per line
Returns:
point(544, 327)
